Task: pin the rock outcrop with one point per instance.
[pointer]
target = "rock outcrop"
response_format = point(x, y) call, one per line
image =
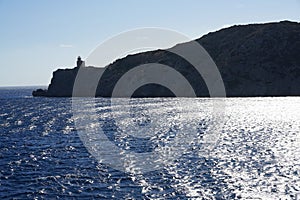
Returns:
point(254, 60)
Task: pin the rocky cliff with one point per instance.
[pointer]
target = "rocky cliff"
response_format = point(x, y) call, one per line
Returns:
point(254, 60)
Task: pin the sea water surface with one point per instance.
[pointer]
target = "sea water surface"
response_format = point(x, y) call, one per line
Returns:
point(256, 156)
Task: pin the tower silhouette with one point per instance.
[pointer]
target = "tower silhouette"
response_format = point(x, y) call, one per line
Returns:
point(79, 62)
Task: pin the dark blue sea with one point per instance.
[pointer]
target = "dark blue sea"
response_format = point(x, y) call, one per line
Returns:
point(151, 148)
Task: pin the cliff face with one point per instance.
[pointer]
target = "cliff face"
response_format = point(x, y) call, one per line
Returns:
point(61, 84)
point(254, 60)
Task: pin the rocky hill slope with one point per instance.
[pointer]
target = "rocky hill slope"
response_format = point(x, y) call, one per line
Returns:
point(254, 60)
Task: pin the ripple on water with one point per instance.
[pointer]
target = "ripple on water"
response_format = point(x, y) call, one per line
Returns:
point(41, 155)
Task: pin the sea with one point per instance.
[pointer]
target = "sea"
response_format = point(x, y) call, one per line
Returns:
point(148, 148)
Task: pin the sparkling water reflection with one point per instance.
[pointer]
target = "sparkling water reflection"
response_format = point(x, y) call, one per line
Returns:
point(257, 157)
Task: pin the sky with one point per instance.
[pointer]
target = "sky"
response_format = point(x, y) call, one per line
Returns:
point(38, 37)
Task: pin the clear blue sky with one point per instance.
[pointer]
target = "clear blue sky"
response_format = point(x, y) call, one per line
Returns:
point(39, 36)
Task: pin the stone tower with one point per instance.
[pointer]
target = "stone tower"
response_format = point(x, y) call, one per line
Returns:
point(80, 63)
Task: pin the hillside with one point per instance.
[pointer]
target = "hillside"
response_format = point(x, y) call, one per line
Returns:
point(254, 60)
